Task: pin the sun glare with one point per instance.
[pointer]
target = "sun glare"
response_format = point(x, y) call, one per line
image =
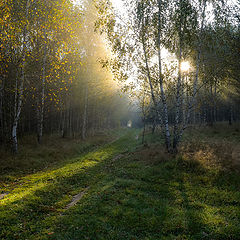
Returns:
point(185, 66)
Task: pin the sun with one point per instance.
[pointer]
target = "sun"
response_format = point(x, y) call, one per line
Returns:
point(185, 66)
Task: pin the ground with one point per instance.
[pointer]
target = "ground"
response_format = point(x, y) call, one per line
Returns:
point(121, 189)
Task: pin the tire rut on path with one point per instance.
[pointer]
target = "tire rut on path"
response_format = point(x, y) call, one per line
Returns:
point(76, 198)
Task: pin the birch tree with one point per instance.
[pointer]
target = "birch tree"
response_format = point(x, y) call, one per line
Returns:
point(19, 87)
point(172, 25)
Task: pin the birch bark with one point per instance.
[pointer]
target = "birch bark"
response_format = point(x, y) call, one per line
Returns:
point(178, 98)
point(19, 91)
point(195, 84)
point(163, 96)
point(42, 102)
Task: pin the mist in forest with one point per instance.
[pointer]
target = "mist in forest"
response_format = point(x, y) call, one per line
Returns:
point(119, 119)
point(52, 79)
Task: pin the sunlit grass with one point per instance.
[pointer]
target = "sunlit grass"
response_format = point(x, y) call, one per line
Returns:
point(155, 202)
point(37, 199)
point(144, 194)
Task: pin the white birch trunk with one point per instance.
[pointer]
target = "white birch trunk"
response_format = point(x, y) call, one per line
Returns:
point(41, 110)
point(195, 84)
point(178, 103)
point(163, 96)
point(19, 92)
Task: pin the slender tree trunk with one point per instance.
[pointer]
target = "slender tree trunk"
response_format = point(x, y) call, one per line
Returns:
point(211, 108)
point(215, 102)
point(84, 126)
point(184, 101)
point(70, 120)
point(41, 113)
point(63, 123)
point(17, 111)
point(19, 92)
point(204, 114)
point(230, 116)
point(95, 118)
point(150, 82)
point(149, 75)
point(154, 125)
point(144, 116)
point(163, 96)
point(178, 102)
point(195, 84)
point(1, 110)
point(144, 129)
point(78, 122)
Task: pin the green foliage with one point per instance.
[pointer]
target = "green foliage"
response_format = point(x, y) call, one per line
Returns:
point(204, 33)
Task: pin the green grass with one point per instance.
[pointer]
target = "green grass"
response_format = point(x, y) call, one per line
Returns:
point(54, 151)
point(144, 194)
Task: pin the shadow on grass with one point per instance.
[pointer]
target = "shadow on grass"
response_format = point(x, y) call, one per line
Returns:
point(33, 207)
point(129, 199)
point(173, 200)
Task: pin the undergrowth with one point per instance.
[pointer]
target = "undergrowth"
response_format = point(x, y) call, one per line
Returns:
point(33, 157)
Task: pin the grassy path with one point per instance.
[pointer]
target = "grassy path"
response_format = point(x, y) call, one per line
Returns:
point(39, 199)
point(129, 193)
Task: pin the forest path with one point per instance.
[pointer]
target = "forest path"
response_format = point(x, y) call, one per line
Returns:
point(124, 190)
point(39, 198)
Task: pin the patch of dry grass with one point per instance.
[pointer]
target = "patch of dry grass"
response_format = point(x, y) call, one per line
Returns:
point(218, 146)
point(152, 154)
